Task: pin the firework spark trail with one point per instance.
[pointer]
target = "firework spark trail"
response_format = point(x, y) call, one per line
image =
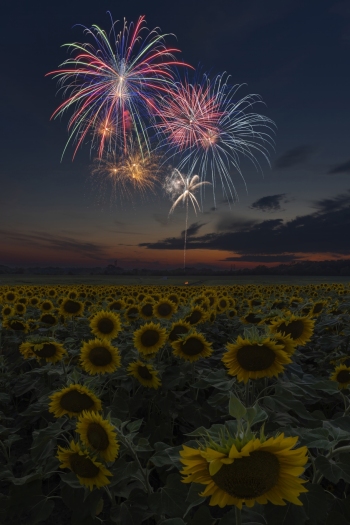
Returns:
point(115, 87)
point(181, 188)
point(203, 123)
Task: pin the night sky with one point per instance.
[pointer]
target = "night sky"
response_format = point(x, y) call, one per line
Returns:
point(294, 53)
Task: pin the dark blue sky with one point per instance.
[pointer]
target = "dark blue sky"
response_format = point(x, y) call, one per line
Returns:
point(294, 54)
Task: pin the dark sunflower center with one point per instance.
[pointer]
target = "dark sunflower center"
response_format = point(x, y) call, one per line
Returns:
point(249, 477)
point(75, 401)
point(147, 310)
point(97, 436)
point(105, 325)
point(116, 305)
point(318, 307)
point(255, 357)
point(294, 328)
point(149, 338)
point(100, 356)
point(48, 350)
point(176, 331)
point(164, 309)
point(83, 466)
point(174, 298)
point(17, 325)
point(343, 376)
point(144, 372)
point(133, 311)
point(46, 306)
point(252, 318)
point(222, 303)
point(71, 307)
point(20, 307)
point(10, 296)
point(48, 319)
point(192, 346)
point(195, 317)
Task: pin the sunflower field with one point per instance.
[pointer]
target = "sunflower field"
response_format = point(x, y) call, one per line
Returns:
point(175, 405)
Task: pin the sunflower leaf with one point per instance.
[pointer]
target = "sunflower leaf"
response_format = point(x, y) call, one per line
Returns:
point(236, 408)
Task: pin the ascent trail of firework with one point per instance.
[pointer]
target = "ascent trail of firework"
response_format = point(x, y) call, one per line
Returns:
point(112, 86)
point(181, 188)
point(202, 123)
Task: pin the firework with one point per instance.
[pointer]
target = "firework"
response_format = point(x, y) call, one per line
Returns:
point(181, 189)
point(125, 175)
point(112, 85)
point(203, 123)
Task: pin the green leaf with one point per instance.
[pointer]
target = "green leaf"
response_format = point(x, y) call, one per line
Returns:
point(289, 515)
point(193, 497)
point(171, 499)
point(134, 425)
point(315, 503)
point(236, 408)
point(41, 511)
point(328, 468)
point(202, 517)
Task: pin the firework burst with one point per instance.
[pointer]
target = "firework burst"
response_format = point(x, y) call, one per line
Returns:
point(205, 125)
point(112, 85)
point(182, 190)
point(137, 172)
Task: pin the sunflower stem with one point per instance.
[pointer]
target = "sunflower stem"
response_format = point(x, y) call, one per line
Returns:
point(247, 393)
point(238, 516)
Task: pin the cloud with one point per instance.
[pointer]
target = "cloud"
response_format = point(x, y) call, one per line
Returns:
point(320, 232)
point(261, 258)
point(234, 223)
point(269, 203)
point(340, 168)
point(294, 157)
point(193, 229)
point(47, 241)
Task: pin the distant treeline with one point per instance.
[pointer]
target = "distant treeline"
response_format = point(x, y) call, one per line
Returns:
point(338, 267)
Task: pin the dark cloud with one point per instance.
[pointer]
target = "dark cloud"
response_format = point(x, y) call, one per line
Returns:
point(55, 242)
point(321, 232)
point(232, 223)
point(294, 157)
point(269, 203)
point(340, 168)
point(193, 229)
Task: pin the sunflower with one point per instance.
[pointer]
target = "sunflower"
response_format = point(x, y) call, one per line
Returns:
point(72, 400)
point(177, 329)
point(146, 309)
point(253, 359)
point(164, 309)
point(99, 356)
point(98, 434)
point(132, 313)
point(299, 328)
point(231, 313)
point(222, 304)
point(197, 315)
point(20, 308)
point(46, 306)
point(259, 472)
point(145, 374)
point(7, 311)
point(342, 376)
point(42, 348)
point(251, 318)
point(105, 325)
point(149, 338)
point(16, 324)
point(88, 471)
point(286, 341)
point(317, 308)
point(48, 319)
point(192, 347)
point(116, 305)
point(10, 297)
point(69, 307)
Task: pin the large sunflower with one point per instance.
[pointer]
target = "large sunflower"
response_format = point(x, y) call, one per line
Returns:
point(192, 347)
point(88, 471)
point(146, 309)
point(149, 338)
point(72, 400)
point(98, 434)
point(99, 356)
point(16, 324)
point(299, 328)
point(145, 374)
point(286, 341)
point(250, 359)
point(258, 472)
point(197, 315)
point(341, 374)
point(43, 348)
point(105, 325)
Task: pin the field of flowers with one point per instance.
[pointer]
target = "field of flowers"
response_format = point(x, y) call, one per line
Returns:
point(175, 405)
